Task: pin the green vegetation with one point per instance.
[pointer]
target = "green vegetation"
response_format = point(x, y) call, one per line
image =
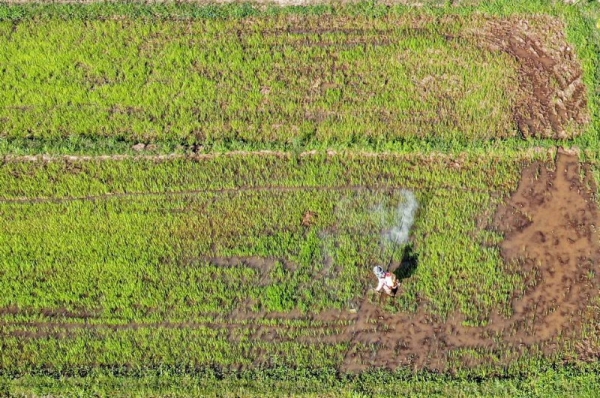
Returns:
point(279, 81)
point(142, 264)
point(215, 272)
point(100, 78)
point(324, 383)
point(124, 211)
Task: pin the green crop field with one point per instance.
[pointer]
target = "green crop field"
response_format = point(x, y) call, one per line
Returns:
point(193, 197)
point(375, 78)
point(266, 81)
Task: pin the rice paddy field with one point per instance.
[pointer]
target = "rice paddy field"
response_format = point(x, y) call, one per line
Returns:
point(193, 197)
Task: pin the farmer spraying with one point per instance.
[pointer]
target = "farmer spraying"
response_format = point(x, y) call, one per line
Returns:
point(387, 281)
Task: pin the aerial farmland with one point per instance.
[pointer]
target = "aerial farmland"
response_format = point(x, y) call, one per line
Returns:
point(193, 198)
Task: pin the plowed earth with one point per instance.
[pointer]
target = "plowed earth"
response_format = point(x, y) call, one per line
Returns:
point(552, 95)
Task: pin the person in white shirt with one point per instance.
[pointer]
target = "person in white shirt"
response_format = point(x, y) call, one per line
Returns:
point(388, 282)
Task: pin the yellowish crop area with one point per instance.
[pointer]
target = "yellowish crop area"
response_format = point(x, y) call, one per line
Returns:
point(176, 262)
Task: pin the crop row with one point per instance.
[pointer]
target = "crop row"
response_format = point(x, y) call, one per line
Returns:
point(323, 382)
point(152, 348)
point(63, 179)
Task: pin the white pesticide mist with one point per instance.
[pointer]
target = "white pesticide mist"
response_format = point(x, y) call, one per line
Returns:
point(405, 218)
point(384, 219)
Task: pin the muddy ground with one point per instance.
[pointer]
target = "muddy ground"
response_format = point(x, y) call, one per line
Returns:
point(552, 96)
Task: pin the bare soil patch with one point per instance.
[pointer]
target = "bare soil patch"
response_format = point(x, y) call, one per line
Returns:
point(552, 95)
point(557, 246)
point(262, 265)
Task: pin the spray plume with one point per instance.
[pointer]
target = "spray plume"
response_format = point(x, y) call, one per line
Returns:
point(405, 218)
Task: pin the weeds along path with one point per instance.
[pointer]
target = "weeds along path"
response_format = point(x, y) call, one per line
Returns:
point(551, 239)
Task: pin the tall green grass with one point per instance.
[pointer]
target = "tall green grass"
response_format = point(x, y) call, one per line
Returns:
point(546, 382)
point(277, 82)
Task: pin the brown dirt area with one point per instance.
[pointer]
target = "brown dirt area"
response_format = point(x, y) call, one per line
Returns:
point(550, 233)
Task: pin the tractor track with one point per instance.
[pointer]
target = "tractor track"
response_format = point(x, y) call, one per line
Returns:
point(352, 188)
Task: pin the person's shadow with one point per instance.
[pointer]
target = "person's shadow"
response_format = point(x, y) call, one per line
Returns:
point(408, 265)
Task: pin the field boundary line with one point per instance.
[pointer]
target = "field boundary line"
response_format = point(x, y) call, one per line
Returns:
point(524, 154)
